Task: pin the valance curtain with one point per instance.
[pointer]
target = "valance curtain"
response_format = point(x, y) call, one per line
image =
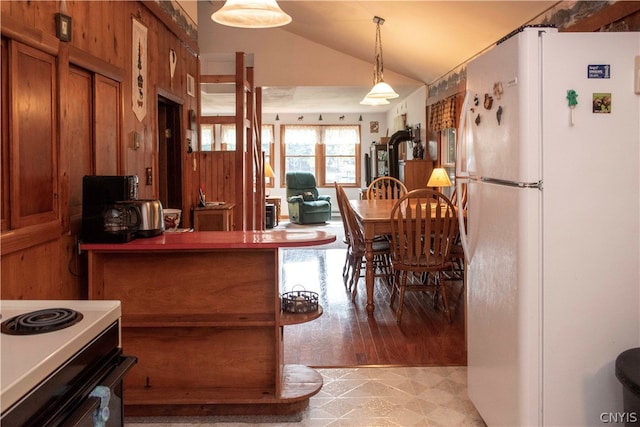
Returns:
point(443, 114)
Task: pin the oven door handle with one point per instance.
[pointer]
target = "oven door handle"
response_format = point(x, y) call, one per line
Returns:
point(126, 363)
point(84, 412)
point(96, 407)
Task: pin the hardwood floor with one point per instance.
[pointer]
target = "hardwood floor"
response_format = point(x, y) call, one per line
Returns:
point(345, 336)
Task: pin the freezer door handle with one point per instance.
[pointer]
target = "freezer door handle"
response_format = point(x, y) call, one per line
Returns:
point(463, 145)
point(507, 183)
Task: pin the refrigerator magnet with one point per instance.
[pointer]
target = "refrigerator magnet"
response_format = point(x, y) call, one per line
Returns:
point(572, 98)
point(497, 90)
point(601, 103)
point(488, 101)
point(499, 114)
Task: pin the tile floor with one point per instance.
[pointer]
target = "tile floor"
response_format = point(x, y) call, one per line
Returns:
point(368, 397)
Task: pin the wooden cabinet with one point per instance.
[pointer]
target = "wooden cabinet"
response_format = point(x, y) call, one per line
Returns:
point(276, 201)
point(216, 218)
point(202, 313)
point(415, 173)
point(379, 160)
point(33, 135)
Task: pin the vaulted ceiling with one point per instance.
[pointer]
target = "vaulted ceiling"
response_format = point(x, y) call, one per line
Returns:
point(421, 41)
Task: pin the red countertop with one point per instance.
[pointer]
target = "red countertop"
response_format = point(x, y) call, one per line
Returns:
point(203, 240)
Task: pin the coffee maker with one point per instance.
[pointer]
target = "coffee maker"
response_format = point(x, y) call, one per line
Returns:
point(109, 211)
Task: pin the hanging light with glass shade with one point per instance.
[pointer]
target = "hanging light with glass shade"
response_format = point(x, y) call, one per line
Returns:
point(251, 14)
point(381, 89)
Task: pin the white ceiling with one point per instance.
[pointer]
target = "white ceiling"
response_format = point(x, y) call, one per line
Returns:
point(421, 42)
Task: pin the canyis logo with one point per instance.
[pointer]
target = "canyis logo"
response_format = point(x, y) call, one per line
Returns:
point(619, 417)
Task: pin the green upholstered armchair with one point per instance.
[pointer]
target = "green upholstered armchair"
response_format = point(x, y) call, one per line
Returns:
point(305, 205)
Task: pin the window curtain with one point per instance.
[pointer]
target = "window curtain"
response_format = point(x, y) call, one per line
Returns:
point(443, 114)
point(228, 137)
point(341, 135)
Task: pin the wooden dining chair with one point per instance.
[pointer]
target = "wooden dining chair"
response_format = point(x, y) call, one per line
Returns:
point(423, 226)
point(386, 187)
point(347, 238)
point(357, 246)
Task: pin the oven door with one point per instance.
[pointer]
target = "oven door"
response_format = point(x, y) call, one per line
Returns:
point(103, 405)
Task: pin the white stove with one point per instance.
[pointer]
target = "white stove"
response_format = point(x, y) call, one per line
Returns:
point(27, 361)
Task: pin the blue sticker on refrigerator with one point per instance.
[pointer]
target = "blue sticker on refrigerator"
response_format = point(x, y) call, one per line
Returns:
point(599, 71)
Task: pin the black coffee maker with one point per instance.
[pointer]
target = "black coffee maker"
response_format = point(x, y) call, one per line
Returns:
point(109, 214)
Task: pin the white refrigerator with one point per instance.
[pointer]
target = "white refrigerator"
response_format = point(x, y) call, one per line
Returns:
point(548, 146)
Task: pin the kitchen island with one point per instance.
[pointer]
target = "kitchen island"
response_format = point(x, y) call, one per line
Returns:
point(201, 311)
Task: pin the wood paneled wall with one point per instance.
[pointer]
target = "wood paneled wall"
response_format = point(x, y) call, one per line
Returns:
point(40, 260)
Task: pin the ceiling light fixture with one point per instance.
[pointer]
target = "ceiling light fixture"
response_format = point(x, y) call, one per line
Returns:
point(374, 101)
point(380, 90)
point(251, 14)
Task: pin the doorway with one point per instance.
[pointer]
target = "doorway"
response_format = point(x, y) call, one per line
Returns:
point(169, 154)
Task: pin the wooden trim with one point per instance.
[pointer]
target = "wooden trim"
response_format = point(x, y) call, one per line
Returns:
point(26, 237)
point(217, 120)
point(217, 78)
point(30, 36)
point(89, 62)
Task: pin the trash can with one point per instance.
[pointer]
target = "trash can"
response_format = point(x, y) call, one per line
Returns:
point(270, 215)
point(628, 373)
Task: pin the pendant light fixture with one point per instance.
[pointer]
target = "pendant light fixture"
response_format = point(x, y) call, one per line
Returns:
point(374, 101)
point(380, 90)
point(251, 14)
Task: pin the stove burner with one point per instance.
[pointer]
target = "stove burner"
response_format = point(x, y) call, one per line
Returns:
point(41, 321)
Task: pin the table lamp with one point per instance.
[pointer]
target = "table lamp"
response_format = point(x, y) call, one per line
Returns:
point(439, 178)
point(268, 174)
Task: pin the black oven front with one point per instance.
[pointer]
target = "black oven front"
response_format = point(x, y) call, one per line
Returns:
point(85, 391)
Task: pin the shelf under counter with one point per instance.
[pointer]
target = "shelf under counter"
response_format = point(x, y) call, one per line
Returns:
point(202, 312)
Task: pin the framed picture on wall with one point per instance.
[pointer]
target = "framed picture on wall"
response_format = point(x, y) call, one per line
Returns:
point(191, 85)
point(373, 127)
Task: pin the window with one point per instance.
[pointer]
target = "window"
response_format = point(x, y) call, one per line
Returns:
point(228, 137)
point(220, 137)
point(331, 153)
point(267, 147)
point(206, 138)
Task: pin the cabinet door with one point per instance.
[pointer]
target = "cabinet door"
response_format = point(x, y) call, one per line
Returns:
point(79, 122)
point(33, 139)
point(4, 129)
point(107, 126)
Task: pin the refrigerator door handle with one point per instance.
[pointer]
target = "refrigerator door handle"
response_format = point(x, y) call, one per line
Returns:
point(462, 174)
point(507, 183)
point(462, 144)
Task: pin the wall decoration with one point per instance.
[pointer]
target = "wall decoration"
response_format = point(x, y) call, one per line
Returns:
point(191, 85)
point(373, 127)
point(139, 70)
point(601, 103)
point(173, 59)
point(63, 27)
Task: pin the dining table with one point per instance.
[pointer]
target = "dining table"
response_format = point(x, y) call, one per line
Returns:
point(374, 216)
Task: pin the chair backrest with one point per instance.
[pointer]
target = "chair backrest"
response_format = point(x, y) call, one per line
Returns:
point(353, 231)
point(301, 183)
point(386, 187)
point(342, 208)
point(423, 227)
point(454, 196)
